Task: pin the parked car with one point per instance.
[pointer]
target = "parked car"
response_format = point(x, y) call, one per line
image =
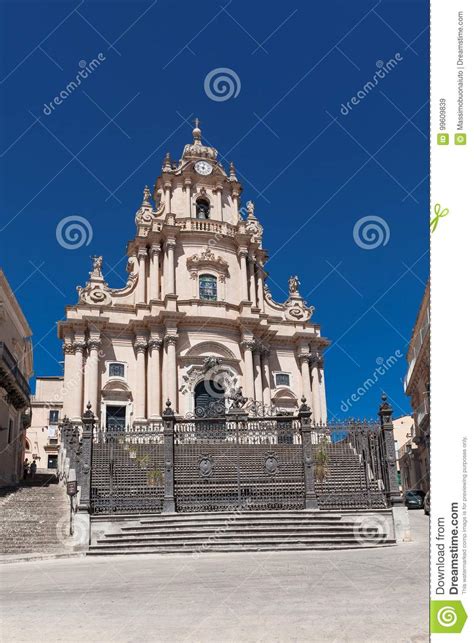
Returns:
point(414, 498)
point(426, 505)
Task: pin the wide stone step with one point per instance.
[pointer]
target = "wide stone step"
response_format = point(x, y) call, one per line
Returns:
point(233, 547)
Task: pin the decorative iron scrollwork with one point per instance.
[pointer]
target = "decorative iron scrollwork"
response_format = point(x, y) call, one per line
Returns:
point(271, 464)
point(206, 466)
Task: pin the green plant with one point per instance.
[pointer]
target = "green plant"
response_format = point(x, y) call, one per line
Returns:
point(321, 463)
point(154, 477)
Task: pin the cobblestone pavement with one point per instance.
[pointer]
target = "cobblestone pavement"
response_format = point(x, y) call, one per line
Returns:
point(366, 595)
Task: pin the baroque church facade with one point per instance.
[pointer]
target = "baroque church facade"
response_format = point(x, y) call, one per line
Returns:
point(195, 323)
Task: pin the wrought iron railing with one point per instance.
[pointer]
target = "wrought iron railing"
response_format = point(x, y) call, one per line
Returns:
point(233, 461)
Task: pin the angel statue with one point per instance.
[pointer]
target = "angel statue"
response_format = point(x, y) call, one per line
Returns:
point(294, 285)
point(250, 209)
point(97, 265)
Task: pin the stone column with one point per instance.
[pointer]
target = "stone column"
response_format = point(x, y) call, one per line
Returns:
point(305, 379)
point(170, 267)
point(247, 346)
point(322, 392)
point(253, 290)
point(267, 387)
point(141, 287)
point(154, 377)
point(315, 388)
point(261, 295)
point(257, 367)
point(171, 369)
point(167, 189)
point(69, 383)
point(140, 346)
point(187, 186)
point(77, 400)
point(93, 373)
point(244, 284)
point(155, 272)
point(219, 202)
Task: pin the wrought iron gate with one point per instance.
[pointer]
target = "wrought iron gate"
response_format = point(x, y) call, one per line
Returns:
point(232, 462)
point(225, 464)
point(127, 470)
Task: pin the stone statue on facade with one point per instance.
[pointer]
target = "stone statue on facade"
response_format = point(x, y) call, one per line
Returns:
point(294, 285)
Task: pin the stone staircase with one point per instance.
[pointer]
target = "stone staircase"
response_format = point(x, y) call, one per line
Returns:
point(235, 531)
point(347, 485)
point(34, 517)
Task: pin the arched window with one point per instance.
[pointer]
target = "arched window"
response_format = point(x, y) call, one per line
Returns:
point(208, 287)
point(202, 209)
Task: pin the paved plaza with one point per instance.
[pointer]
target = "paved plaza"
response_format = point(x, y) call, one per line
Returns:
point(366, 595)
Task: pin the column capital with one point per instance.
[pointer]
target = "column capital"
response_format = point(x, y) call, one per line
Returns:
point(154, 344)
point(304, 357)
point(79, 345)
point(142, 252)
point(248, 344)
point(171, 340)
point(155, 249)
point(94, 343)
point(140, 345)
point(243, 251)
point(170, 242)
point(68, 347)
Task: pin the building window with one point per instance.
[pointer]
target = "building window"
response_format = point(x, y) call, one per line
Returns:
point(53, 417)
point(282, 379)
point(208, 287)
point(116, 369)
point(202, 209)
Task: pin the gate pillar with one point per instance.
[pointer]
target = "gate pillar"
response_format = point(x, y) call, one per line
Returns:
point(84, 460)
point(307, 451)
point(169, 420)
point(389, 458)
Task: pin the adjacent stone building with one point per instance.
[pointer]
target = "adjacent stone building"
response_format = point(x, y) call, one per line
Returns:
point(195, 320)
point(417, 386)
point(42, 438)
point(16, 367)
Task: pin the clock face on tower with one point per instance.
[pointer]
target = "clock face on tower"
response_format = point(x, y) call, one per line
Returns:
point(203, 167)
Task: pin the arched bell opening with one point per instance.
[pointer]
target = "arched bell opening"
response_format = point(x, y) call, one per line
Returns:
point(202, 208)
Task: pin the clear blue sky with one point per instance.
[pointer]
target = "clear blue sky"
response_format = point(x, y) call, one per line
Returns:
point(311, 177)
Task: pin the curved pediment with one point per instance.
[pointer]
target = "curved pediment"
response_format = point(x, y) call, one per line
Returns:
point(205, 349)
